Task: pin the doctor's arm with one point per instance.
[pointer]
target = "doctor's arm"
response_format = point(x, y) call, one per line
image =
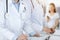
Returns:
point(28, 23)
point(29, 30)
point(3, 30)
point(8, 34)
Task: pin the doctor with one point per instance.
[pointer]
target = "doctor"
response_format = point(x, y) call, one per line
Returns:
point(17, 20)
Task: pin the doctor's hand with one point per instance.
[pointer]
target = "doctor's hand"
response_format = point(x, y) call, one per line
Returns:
point(22, 37)
point(47, 30)
point(36, 35)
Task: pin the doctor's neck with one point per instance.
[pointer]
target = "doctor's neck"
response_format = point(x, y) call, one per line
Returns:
point(16, 1)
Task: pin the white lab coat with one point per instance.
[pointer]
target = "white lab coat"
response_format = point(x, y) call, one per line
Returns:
point(16, 22)
point(3, 31)
point(37, 16)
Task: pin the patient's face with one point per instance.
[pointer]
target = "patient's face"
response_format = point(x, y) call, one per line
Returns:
point(51, 8)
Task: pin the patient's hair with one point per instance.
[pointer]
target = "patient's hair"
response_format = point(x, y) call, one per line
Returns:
point(53, 6)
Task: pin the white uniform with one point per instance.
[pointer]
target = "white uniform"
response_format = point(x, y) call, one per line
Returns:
point(16, 21)
point(37, 16)
point(2, 12)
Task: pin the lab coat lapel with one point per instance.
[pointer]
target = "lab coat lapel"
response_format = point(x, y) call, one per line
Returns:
point(14, 11)
point(21, 8)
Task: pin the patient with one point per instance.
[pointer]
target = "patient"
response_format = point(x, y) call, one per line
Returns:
point(51, 19)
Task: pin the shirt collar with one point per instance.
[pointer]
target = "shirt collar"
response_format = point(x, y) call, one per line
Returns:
point(15, 2)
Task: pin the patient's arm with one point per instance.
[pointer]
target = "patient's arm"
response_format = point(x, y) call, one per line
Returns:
point(51, 30)
point(56, 24)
